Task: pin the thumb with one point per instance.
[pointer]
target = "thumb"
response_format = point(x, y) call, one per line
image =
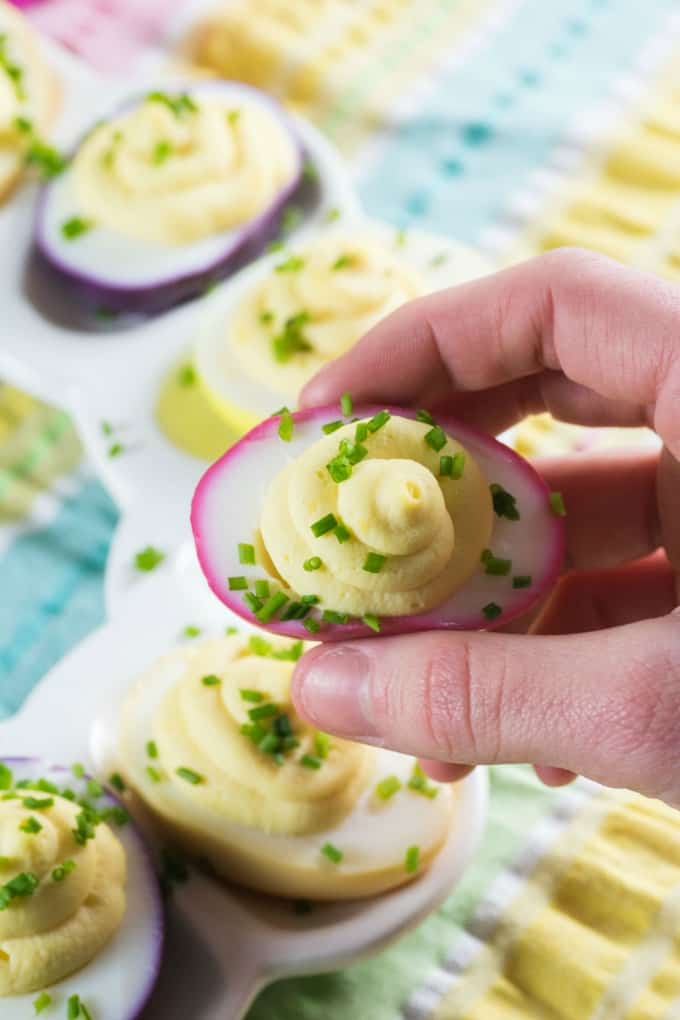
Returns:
point(605, 704)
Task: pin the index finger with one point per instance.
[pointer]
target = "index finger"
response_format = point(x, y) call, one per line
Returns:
point(608, 336)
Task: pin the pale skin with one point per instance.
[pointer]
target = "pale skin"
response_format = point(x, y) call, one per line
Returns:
point(591, 684)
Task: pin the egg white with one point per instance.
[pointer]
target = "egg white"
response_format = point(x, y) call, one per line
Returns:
point(245, 401)
point(374, 836)
point(116, 983)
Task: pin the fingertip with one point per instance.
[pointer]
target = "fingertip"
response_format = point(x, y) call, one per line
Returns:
point(444, 772)
point(551, 776)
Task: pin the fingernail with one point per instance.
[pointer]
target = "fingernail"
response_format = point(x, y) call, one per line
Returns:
point(334, 692)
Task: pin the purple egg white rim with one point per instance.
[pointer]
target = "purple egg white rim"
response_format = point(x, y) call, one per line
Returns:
point(159, 907)
point(253, 227)
point(389, 625)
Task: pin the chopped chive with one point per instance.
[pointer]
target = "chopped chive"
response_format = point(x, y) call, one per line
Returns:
point(557, 504)
point(331, 616)
point(425, 417)
point(252, 601)
point(21, 886)
point(271, 607)
point(504, 503)
point(187, 376)
point(23, 124)
point(246, 553)
point(313, 563)
point(324, 525)
point(233, 116)
point(374, 563)
point(73, 1007)
point(346, 404)
point(493, 565)
point(31, 825)
point(191, 631)
point(290, 265)
point(94, 788)
point(195, 778)
point(229, 631)
point(62, 870)
point(78, 770)
point(6, 777)
point(254, 697)
point(151, 749)
point(361, 432)
point(372, 621)
point(322, 744)
point(310, 761)
point(162, 151)
point(332, 215)
point(412, 859)
point(522, 581)
point(452, 467)
point(275, 245)
point(491, 610)
point(283, 726)
point(237, 583)
point(115, 450)
point(149, 558)
point(75, 227)
point(419, 784)
point(286, 426)
point(332, 853)
point(269, 743)
point(387, 787)
point(310, 600)
point(331, 426)
point(262, 712)
point(258, 645)
point(312, 625)
point(342, 533)
point(378, 420)
point(339, 469)
point(266, 317)
point(37, 803)
point(290, 654)
point(154, 774)
point(296, 611)
point(446, 466)
point(262, 589)
point(344, 261)
point(107, 428)
point(43, 1002)
point(352, 452)
point(436, 438)
point(117, 782)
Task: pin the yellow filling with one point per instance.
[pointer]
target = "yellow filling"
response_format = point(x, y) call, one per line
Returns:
point(296, 319)
point(177, 170)
point(428, 530)
point(64, 924)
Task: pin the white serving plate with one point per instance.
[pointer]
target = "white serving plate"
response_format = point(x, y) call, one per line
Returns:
point(48, 349)
point(223, 944)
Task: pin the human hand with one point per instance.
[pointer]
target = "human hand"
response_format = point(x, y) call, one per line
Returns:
point(594, 687)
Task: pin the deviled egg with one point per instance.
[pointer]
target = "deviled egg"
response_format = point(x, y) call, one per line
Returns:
point(340, 523)
point(169, 194)
point(210, 741)
point(28, 100)
point(80, 914)
point(263, 337)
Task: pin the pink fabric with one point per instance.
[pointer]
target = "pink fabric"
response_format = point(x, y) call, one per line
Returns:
point(109, 34)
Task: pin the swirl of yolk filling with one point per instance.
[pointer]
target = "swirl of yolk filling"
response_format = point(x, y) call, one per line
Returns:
point(174, 174)
point(415, 534)
point(60, 924)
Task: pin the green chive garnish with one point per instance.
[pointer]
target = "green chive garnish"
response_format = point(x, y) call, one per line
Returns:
point(491, 610)
point(324, 525)
point(229, 631)
point(504, 503)
point(94, 788)
point(522, 581)
point(361, 432)
point(115, 450)
point(412, 859)
point(332, 215)
point(148, 559)
point(187, 376)
point(6, 777)
point(557, 504)
point(266, 317)
point(346, 404)
point(78, 770)
point(372, 621)
point(425, 417)
point(419, 784)
point(271, 607)
point(246, 553)
point(38, 803)
point(495, 566)
point(374, 563)
point(75, 227)
point(331, 616)
point(162, 151)
point(237, 583)
point(254, 697)
point(312, 625)
point(154, 774)
point(233, 116)
point(151, 749)
point(344, 261)
point(262, 712)
point(452, 467)
point(339, 469)
point(295, 611)
point(32, 826)
point(117, 782)
point(313, 563)
point(310, 600)
point(332, 853)
point(191, 631)
point(252, 601)
point(322, 744)
point(195, 778)
point(258, 645)
point(436, 438)
point(43, 1002)
point(20, 886)
point(331, 426)
point(73, 1007)
point(378, 420)
point(286, 426)
point(342, 533)
point(62, 870)
point(290, 265)
point(387, 787)
point(310, 761)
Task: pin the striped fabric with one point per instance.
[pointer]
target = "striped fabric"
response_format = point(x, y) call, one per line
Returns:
point(516, 125)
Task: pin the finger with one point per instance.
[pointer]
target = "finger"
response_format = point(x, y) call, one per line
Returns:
point(612, 510)
point(591, 600)
point(606, 704)
point(443, 772)
point(607, 328)
point(554, 777)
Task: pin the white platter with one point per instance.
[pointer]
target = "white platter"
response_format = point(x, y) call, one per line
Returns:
point(223, 945)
